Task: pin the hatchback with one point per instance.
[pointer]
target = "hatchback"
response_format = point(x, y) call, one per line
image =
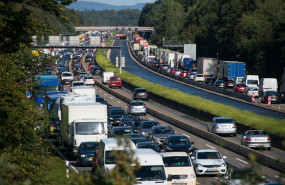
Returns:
point(220, 83)
point(115, 81)
point(147, 144)
point(86, 152)
point(240, 88)
point(140, 93)
point(136, 108)
point(199, 78)
point(222, 125)
point(275, 97)
point(184, 74)
point(89, 80)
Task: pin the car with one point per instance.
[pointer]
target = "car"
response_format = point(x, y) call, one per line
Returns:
point(240, 88)
point(115, 116)
point(100, 100)
point(81, 73)
point(77, 83)
point(90, 66)
point(163, 67)
point(134, 135)
point(136, 125)
point(115, 81)
point(159, 133)
point(139, 139)
point(86, 153)
point(179, 143)
point(95, 70)
point(179, 168)
point(199, 78)
point(172, 70)
point(209, 162)
point(155, 63)
point(184, 74)
point(220, 83)
point(256, 139)
point(177, 72)
point(191, 75)
point(140, 93)
point(210, 80)
point(145, 126)
point(251, 91)
point(147, 144)
point(136, 107)
point(222, 125)
point(128, 120)
point(120, 131)
point(89, 58)
point(169, 69)
point(88, 80)
point(229, 83)
point(274, 95)
point(243, 176)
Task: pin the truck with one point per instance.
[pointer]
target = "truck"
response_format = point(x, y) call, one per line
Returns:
point(207, 66)
point(45, 83)
point(83, 90)
point(186, 62)
point(150, 50)
point(82, 122)
point(106, 76)
point(228, 70)
point(136, 46)
point(169, 58)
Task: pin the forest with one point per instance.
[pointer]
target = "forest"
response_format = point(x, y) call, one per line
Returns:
point(251, 31)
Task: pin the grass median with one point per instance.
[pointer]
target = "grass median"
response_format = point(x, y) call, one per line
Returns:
point(270, 125)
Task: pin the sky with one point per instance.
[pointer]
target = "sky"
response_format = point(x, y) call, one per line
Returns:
point(120, 2)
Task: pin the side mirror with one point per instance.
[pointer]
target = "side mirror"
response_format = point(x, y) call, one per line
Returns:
point(169, 178)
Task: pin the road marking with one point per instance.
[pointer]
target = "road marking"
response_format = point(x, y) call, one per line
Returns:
point(210, 146)
point(111, 98)
point(186, 135)
point(197, 182)
point(118, 101)
point(241, 160)
point(105, 94)
point(150, 118)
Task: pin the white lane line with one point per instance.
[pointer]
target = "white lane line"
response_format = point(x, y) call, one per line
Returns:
point(105, 94)
point(118, 101)
point(210, 146)
point(150, 118)
point(241, 161)
point(100, 91)
point(111, 98)
point(186, 135)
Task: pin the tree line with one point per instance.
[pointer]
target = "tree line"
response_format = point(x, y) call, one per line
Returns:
point(250, 31)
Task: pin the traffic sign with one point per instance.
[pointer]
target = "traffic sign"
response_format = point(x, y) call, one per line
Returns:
point(103, 44)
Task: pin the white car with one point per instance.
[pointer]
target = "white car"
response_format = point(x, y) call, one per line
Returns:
point(89, 80)
point(192, 75)
point(179, 168)
point(199, 78)
point(209, 161)
point(250, 91)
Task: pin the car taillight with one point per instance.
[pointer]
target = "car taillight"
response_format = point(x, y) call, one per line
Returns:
point(249, 139)
point(131, 107)
point(217, 127)
point(144, 106)
point(234, 126)
point(268, 139)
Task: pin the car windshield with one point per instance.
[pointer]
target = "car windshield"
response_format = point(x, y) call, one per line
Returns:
point(117, 112)
point(224, 121)
point(209, 155)
point(175, 161)
point(88, 77)
point(150, 173)
point(252, 89)
point(122, 131)
point(66, 74)
point(116, 79)
point(253, 82)
point(256, 132)
point(163, 130)
point(146, 125)
point(89, 128)
point(137, 103)
point(78, 84)
point(178, 141)
point(198, 75)
point(153, 146)
point(89, 146)
point(140, 90)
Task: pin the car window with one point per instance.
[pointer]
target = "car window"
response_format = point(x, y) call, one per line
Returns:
point(163, 130)
point(115, 79)
point(178, 141)
point(89, 147)
point(224, 120)
point(137, 104)
point(208, 155)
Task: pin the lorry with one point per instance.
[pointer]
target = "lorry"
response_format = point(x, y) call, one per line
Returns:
point(83, 90)
point(186, 62)
point(45, 83)
point(169, 58)
point(207, 66)
point(82, 122)
point(150, 50)
point(106, 76)
point(228, 70)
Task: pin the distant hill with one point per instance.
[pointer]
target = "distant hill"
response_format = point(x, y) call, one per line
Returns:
point(84, 5)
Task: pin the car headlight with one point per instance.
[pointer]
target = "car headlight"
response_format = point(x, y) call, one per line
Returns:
point(223, 164)
point(144, 133)
point(191, 176)
point(111, 119)
point(82, 155)
point(199, 165)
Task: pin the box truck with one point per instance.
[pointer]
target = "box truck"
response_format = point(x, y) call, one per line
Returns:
point(81, 122)
point(207, 66)
point(228, 70)
point(106, 76)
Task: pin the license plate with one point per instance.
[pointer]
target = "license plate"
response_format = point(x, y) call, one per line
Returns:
point(211, 169)
point(259, 139)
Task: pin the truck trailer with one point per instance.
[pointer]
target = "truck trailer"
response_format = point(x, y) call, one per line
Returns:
point(228, 70)
point(207, 66)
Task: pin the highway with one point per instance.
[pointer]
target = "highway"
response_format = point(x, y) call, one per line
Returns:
point(139, 70)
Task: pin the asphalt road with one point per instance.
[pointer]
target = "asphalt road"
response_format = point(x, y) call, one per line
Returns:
point(138, 70)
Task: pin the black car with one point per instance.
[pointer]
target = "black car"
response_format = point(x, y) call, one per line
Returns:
point(210, 80)
point(146, 126)
point(115, 115)
point(159, 133)
point(96, 70)
point(89, 58)
point(86, 152)
point(177, 143)
point(120, 131)
point(151, 145)
point(139, 139)
point(274, 96)
point(128, 120)
point(136, 125)
point(220, 83)
point(140, 93)
point(100, 100)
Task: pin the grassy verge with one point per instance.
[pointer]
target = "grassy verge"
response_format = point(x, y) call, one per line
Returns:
point(270, 125)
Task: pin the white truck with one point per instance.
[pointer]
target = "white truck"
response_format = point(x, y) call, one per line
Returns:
point(81, 122)
point(83, 90)
point(207, 66)
point(106, 76)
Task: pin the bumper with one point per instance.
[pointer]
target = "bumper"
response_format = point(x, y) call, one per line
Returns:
point(85, 161)
point(258, 145)
point(226, 131)
point(210, 170)
point(140, 112)
point(182, 182)
point(66, 82)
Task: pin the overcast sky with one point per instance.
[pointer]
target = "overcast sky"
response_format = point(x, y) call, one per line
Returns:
point(121, 2)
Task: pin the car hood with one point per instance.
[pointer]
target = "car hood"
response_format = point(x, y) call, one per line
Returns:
point(210, 161)
point(179, 170)
point(177, 147)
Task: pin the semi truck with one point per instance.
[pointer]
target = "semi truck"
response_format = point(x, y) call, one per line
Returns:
point(207, 66)
point(228, 70)
point(186, 62)
point(82, 122)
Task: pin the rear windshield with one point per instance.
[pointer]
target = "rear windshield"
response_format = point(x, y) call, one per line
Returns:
point(137, 104)
point(224, 120)
point(116, 79)
point(66, 74)
point(88, 77)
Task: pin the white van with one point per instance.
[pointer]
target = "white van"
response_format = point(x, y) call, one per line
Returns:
point(251, 80)
point(103, 156)
point(106, 76)
point(176, 165)
point(237, 80)
point(268, 84)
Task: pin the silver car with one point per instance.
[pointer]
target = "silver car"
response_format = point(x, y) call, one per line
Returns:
point(222, 125)
point(209, 161)
point(256, 139)
point(136, 108)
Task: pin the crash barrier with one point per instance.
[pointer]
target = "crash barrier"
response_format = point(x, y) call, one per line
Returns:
point(237, 148)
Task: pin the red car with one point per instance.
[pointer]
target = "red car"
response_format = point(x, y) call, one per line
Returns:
point(240, 88)
point(172, 70)
point(115, 81)
point(90, 66)
point(184, 74)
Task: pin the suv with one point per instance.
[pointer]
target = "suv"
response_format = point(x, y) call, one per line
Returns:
point(115, 81)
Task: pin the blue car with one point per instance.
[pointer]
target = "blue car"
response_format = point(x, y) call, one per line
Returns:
point(86, 153)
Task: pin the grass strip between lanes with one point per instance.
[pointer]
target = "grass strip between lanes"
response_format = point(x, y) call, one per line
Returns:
point(270, 125)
